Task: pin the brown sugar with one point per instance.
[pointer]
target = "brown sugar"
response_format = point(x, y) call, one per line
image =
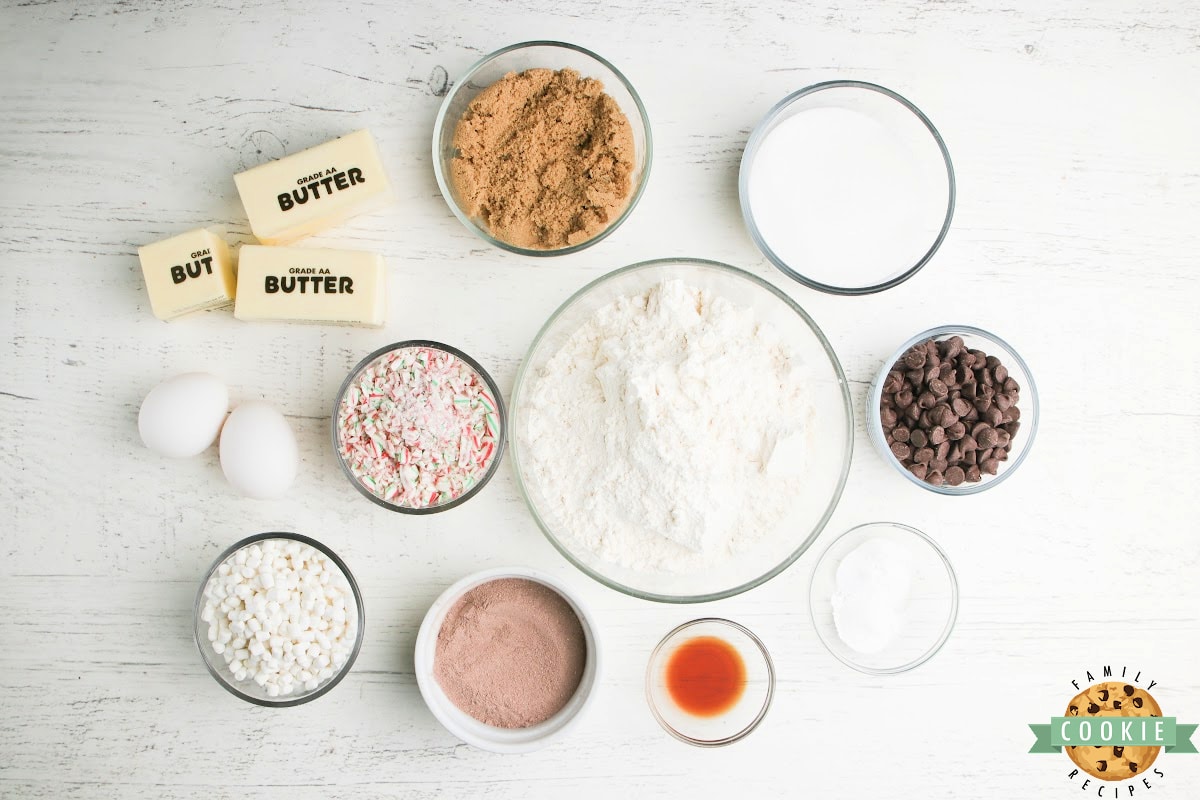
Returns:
point(545, 159)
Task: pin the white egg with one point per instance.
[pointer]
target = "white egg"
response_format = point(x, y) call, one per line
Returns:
point(182, 416)
point(258, 451)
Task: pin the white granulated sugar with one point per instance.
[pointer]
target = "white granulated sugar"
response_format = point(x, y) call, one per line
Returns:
point(668, 431)
point(845, 200)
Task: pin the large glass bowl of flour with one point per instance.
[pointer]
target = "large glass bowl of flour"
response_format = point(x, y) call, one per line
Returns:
point(681, 430)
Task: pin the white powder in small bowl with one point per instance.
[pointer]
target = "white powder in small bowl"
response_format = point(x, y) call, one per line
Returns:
point(668, 432)
point(873, 586)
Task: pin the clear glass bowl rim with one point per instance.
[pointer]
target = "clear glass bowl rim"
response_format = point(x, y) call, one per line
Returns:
point(762, 712)
point(198, 605)
point(501, 414)
point(519, 385)
point(1028, 427)
point(443, 180)
point(751, 150)
point(950, 620)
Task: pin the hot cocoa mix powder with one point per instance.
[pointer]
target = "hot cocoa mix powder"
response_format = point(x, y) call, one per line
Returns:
point(545, 159)
point(510, 653)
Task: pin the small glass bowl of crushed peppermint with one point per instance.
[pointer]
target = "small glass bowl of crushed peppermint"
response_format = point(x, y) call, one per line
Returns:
point(954, 410)
point(419, 427)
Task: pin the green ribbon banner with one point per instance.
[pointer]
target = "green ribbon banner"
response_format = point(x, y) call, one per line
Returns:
point(1121, 731)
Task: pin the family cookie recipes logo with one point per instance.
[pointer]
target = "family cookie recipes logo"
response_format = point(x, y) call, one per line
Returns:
point(1113, 731)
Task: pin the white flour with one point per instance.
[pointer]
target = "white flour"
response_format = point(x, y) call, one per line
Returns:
point(668, 431)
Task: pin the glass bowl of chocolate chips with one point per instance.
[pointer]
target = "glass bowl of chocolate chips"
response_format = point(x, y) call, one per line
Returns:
point(954, 410)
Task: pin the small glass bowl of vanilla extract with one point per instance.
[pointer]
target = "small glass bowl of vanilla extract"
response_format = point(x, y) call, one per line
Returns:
point(710, 682)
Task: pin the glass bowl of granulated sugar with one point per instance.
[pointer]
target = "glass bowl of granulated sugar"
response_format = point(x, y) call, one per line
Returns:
point(847, 187)
point(681, 430)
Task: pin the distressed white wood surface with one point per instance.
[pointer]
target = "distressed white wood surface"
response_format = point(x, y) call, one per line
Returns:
point(1074, 130)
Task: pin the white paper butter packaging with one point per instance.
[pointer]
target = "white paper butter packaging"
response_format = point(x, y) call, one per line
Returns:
point(315, 189)
point(305, 284)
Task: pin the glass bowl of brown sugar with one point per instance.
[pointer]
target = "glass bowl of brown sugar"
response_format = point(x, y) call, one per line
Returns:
point(542, 148)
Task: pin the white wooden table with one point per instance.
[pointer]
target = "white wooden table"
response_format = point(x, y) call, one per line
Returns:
point(1074, 131)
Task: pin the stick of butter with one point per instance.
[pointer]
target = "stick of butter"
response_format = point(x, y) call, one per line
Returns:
point(303, 284)
point(315, 189)
point(189, 272)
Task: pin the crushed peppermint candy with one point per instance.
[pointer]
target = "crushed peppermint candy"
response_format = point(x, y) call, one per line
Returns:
point(418, 427)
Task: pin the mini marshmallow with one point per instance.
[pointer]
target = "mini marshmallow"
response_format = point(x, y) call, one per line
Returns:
point(282, 615)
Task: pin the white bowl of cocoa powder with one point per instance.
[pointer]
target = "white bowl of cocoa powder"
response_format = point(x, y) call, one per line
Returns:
point(542, 148)
point(507, 659)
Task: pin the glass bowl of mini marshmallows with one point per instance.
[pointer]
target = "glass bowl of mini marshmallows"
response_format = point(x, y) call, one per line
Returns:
point(278, 619)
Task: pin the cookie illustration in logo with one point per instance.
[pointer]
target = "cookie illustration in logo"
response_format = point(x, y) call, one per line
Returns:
point(1113, 699)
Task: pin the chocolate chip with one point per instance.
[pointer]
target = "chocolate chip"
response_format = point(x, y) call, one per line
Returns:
point(1133, 766)
point(945, 415)
point(1137, 702)
point(948, 413)
point(1104, 695)
point(1128, 690)
point(1101, 766)
point(1117, 751)
point(1073, 710)
point(985, 435)
point(1116, 703)
point(1093, 708)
